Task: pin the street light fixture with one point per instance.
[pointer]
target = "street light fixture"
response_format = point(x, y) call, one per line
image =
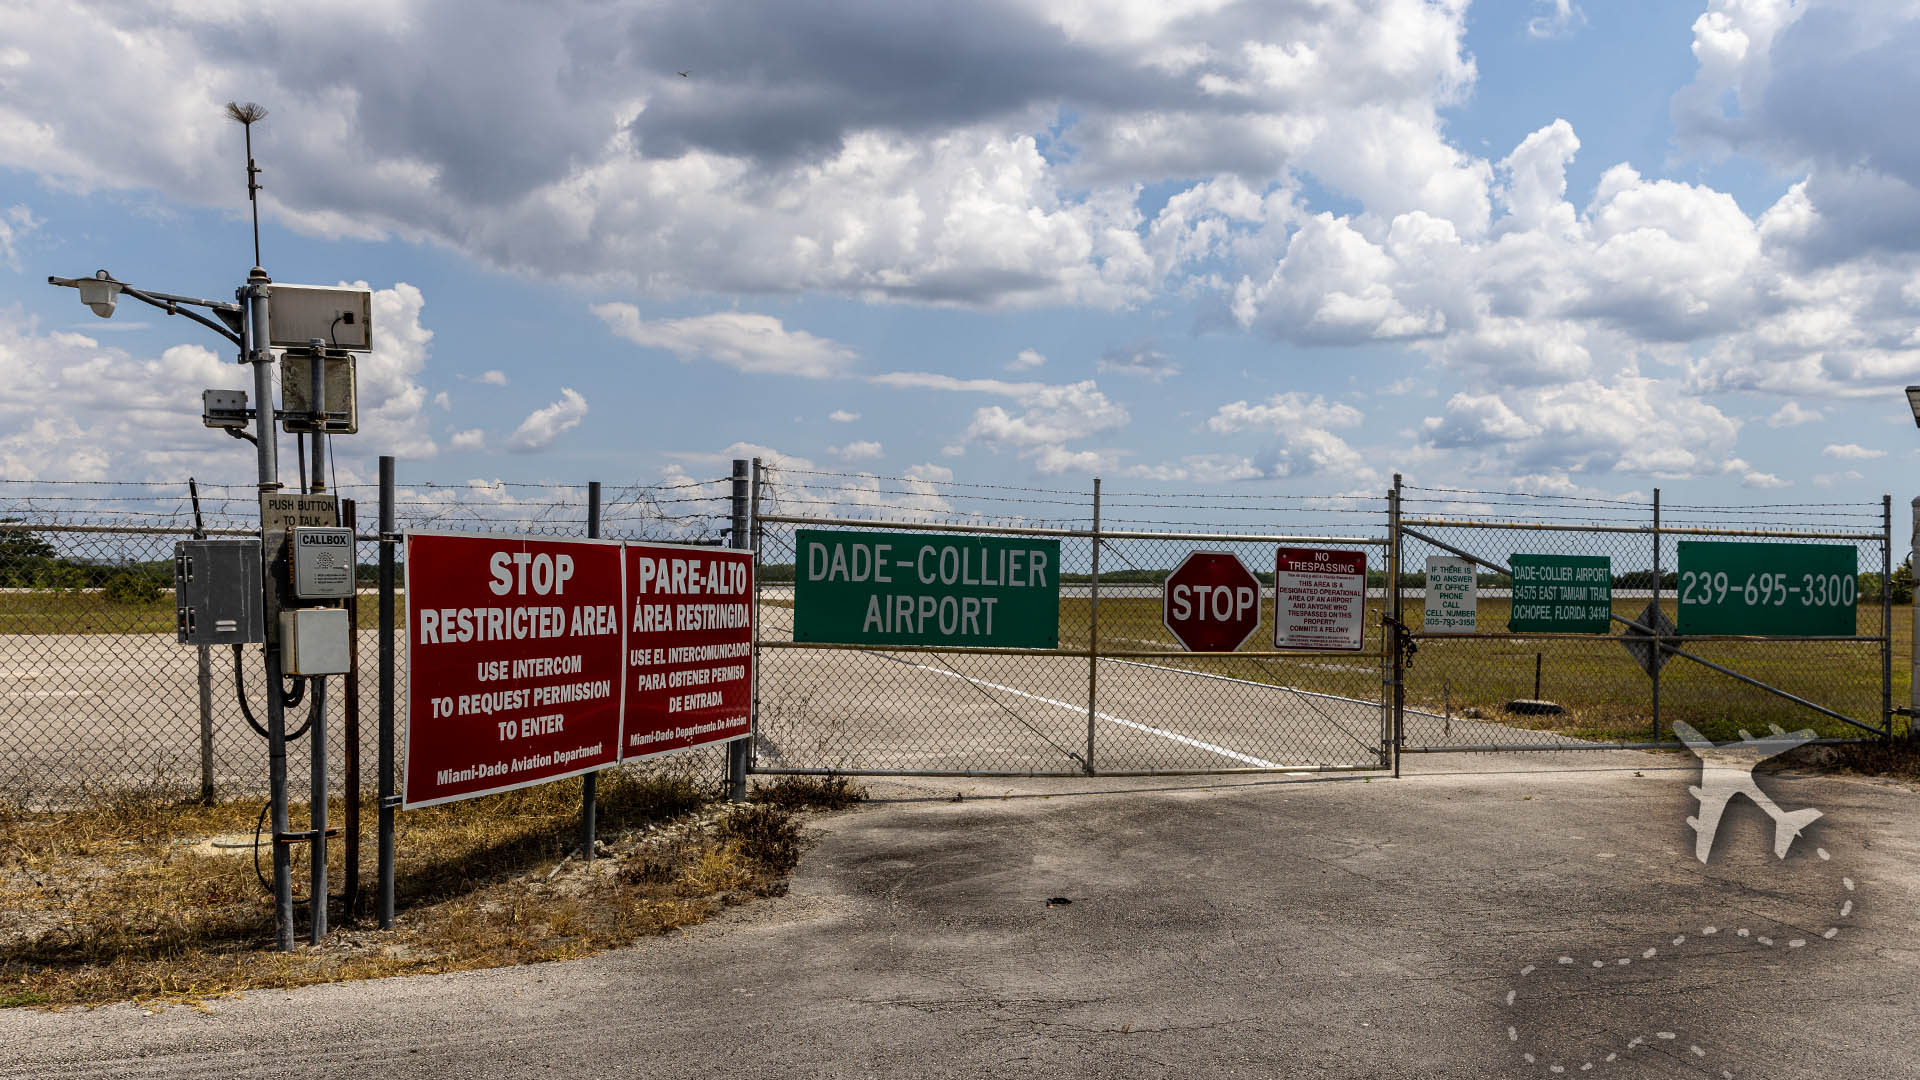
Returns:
point(1913, 402)
point(102, 290)
point(99, 293)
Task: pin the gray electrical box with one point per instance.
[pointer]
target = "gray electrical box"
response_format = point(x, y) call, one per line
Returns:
point(218, 595)
point(296, 391)
point(316, 641)
point(340, 315)
point(224, 408)
point(322, 563)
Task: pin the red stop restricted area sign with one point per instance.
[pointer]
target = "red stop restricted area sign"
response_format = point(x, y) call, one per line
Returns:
point(689, 648)
point(1211, 602)
point(1319, 598)
point(514, 662)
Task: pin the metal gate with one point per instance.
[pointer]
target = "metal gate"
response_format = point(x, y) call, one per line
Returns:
point(1118, 696)
point(1495, 689)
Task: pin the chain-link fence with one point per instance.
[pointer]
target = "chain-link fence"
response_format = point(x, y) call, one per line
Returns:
point(1119, 694)
point(96, 694)
point(1505, 685)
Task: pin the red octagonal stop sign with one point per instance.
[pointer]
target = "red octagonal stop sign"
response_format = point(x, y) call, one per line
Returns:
point(1212, 602)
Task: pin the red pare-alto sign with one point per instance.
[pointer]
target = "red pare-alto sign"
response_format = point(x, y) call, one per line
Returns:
point(515, 662)
point(689, 648)
point(1319, 598)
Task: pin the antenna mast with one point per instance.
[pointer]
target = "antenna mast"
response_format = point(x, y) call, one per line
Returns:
point(245, 115)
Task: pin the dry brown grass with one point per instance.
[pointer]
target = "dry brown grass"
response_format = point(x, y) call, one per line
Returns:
point(809, 793)
point(126, 898)
point(1897, 759)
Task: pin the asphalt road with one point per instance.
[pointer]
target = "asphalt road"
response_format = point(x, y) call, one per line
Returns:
point(1325, 927)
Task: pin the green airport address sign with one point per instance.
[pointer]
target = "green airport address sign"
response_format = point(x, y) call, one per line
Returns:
point(1561, 594)
point(879, 588)
point(1768, 589)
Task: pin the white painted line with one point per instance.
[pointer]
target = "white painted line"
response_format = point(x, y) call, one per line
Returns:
point(1250, 682)
point(1162, 732)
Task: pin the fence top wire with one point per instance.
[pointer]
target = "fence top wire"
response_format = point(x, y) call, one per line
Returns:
point(1530, 495)
point(769, 470)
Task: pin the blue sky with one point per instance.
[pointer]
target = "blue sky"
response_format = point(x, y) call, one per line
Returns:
point(1273, 247)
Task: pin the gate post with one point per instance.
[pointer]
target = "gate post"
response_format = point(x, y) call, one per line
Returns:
point(1093, 631)
point(1397, 627)
point(1913, 693)
point(754, 531)
point(1886, 613)
point(737, 537)
point(1659, 657)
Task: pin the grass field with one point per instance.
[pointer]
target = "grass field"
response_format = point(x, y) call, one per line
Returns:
point(91, 612)
point(1606, 693)
point(1604, 690)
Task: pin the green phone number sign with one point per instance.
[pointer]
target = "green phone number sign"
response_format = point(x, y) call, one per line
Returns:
point(1775, 590)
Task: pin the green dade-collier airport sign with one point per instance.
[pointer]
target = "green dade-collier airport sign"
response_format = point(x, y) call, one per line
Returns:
point(1561, 594)
point(1776, 590)
point(874, 588)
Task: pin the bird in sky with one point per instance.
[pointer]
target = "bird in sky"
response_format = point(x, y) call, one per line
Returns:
point(683, 75)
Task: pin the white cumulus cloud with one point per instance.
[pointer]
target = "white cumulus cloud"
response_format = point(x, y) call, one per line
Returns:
point(862, 450)
point(744, 341)
point(548, 423)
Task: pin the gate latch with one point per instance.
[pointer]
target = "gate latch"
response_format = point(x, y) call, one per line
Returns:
point(1404, 636)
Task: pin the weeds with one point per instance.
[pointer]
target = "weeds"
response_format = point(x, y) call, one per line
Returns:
point(126, 897)
point(809, 793)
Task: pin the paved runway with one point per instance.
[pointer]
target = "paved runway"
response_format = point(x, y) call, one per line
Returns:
point(118, 710)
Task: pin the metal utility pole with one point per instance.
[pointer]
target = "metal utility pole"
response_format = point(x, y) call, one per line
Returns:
point(590, 784)
point(204, 662)
point(389, 537)
point(1093, 632)
point(255, 296)
point(740, 537)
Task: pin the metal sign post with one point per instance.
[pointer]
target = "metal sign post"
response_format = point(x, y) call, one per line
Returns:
point(590, 784)
point(739, 536)
point(389, 800)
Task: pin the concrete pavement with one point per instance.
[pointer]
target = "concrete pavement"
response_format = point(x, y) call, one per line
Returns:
point(1255, 926)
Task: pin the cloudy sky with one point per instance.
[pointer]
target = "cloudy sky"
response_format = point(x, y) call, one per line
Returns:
point(1263, 246)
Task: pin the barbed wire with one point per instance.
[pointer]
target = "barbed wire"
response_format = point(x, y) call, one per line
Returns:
point(1531, 495)
point(767, 469)
point(1104, 495)
point(1106, 522)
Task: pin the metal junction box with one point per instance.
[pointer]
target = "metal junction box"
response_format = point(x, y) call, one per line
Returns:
point(218, 594)
point(296, 392)
point(340, 315)
point(322, 563)
point(316, 641)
